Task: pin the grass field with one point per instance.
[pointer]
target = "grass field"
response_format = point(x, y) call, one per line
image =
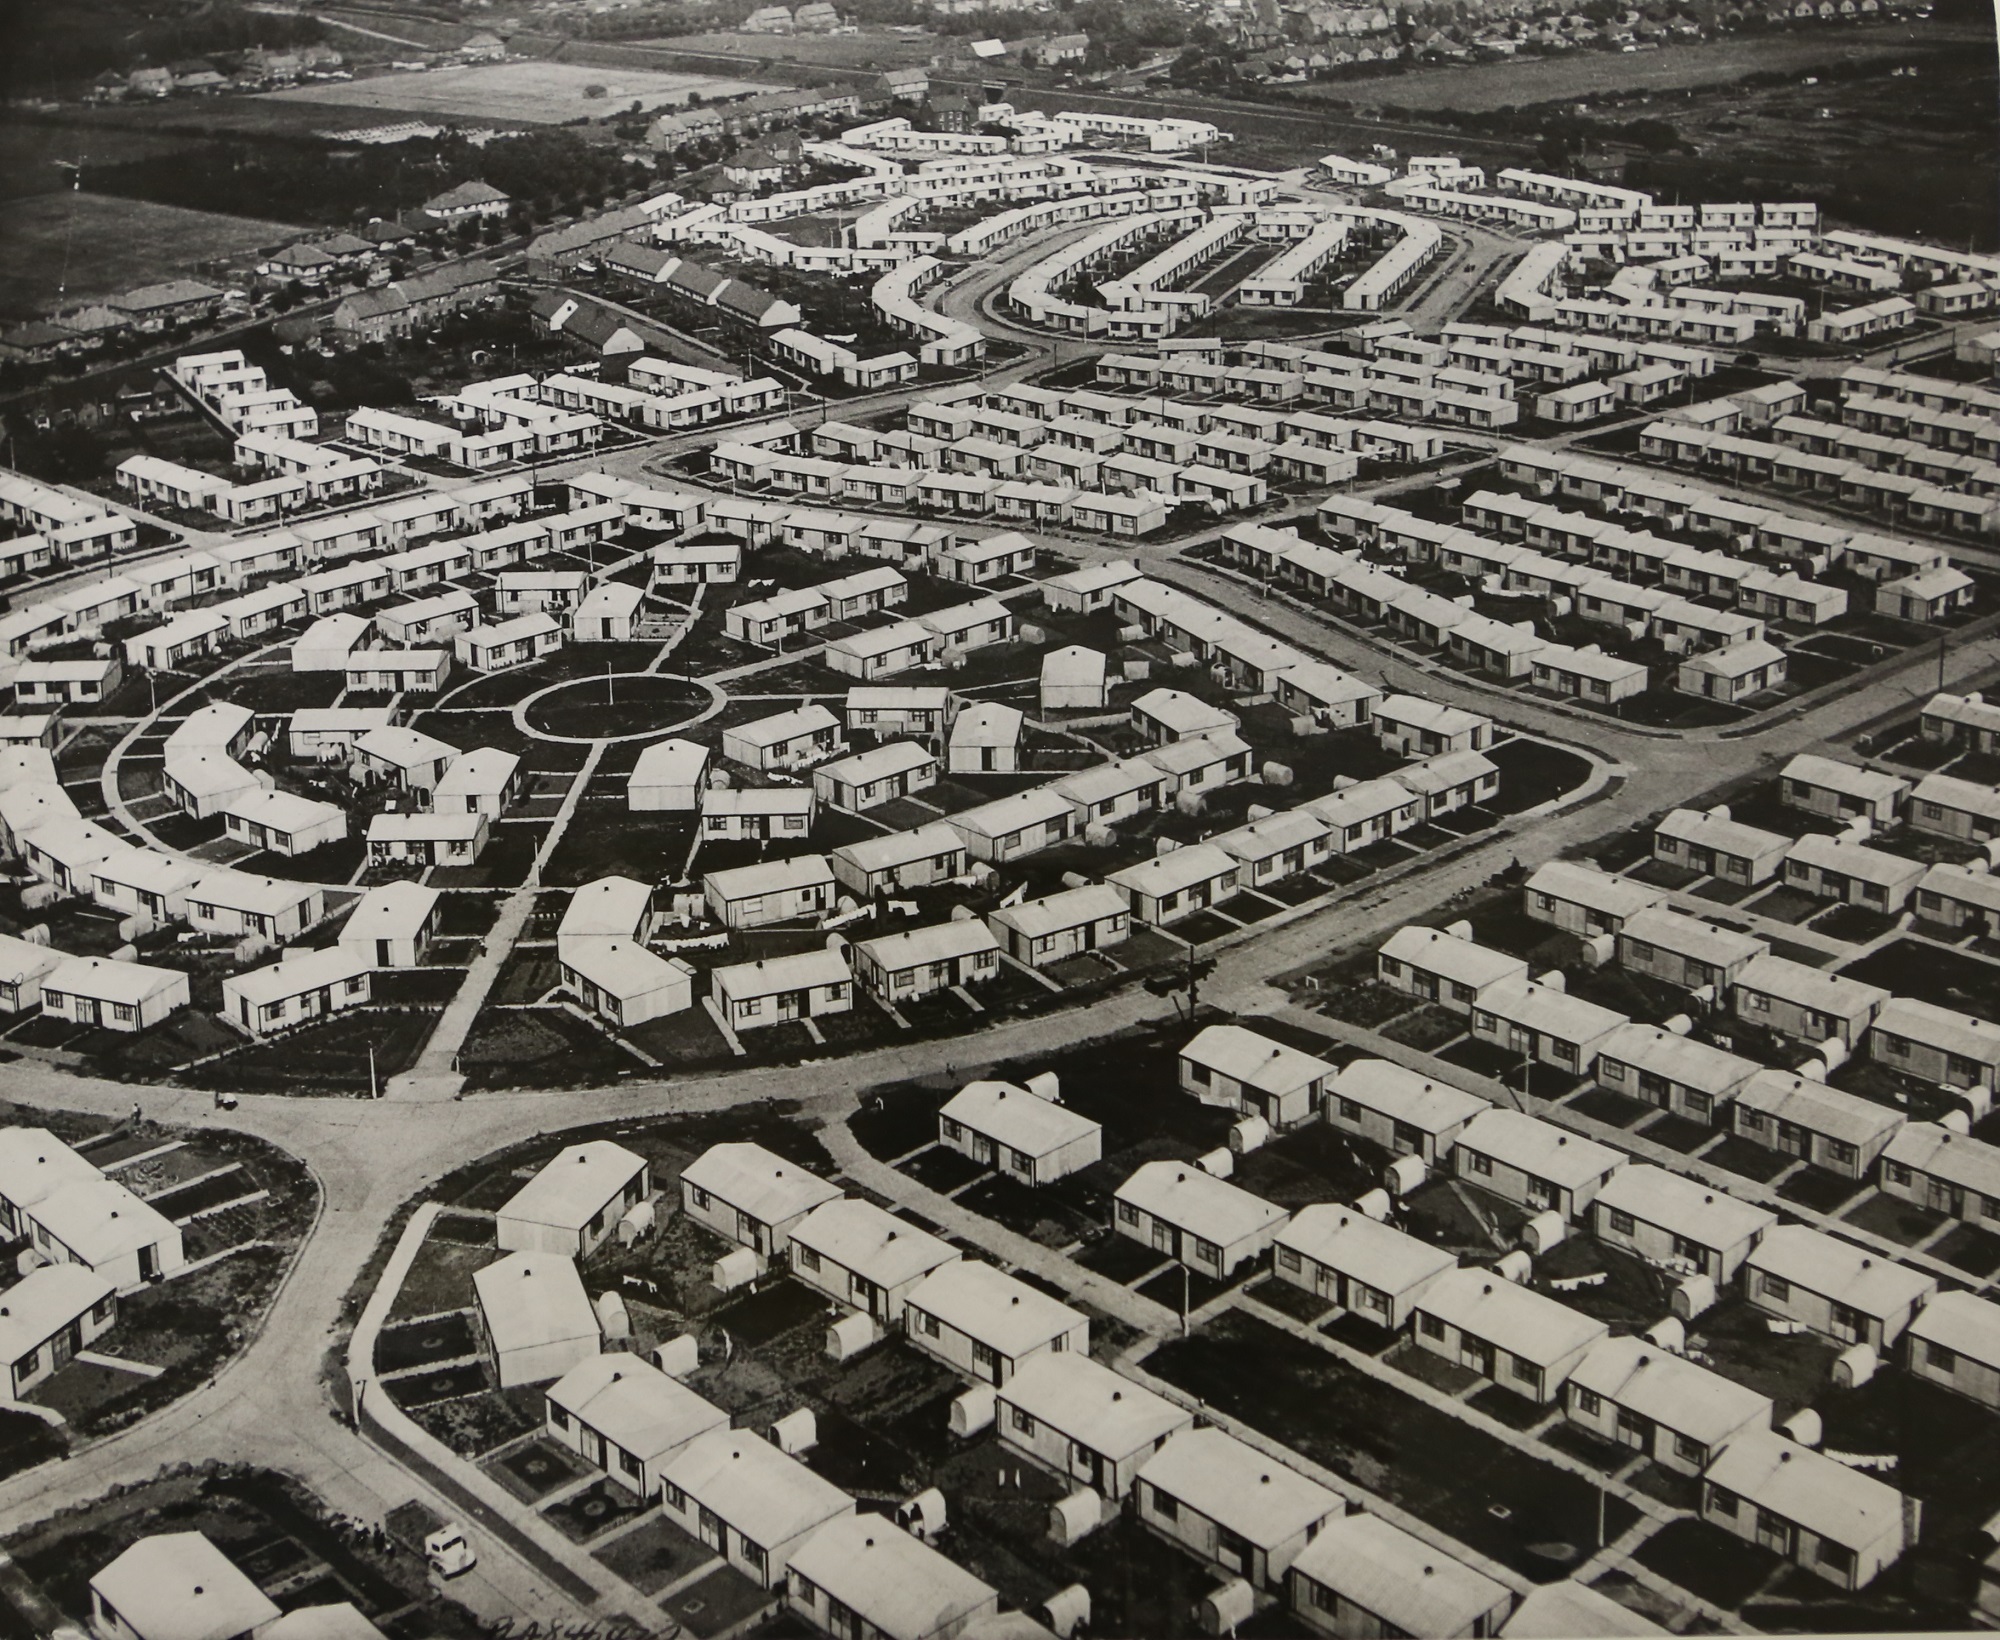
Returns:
point(108, 245)
point(1674, 67)
point(540, 93)
point(29, 151)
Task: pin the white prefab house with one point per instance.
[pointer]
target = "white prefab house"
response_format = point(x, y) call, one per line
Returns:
point(787, 740)
point(1545, 1024)
point(932, 853)
point(1164, 716)
point(864, 1258)
point(621, 1414)
point(1072, 923)
point(307, 985)
point(1402, 1110)
point(862, 1574)
point(403, 758)
point(1369, 1269)
point(1244, 1071)
point(670, 775)
point(1633, 1393)
point(1843, 1292)
point(23, 967)
point(1362, 1576)
point(879, 775)
point(1955, 1342)
point(740, 1497)
point(1834, 1521)
point(282, 822)
point(1839, 791)
point(482, 781)
point(1523, 1340)
point(393, 924)
point(1709, 842)
point(985, 1324)
point(750, 1196)
point(1010, 827)
point(781, 990)
point(1806, 1003)
point(1584, 901)
point(1170, 887)
point(1677, 949)
point(1851, 873)
point(1437, 966)
point(117, 996)
point(1198, 1220)
point(986, 739)
point(428, 839)
point(919, 962)
point(1534, 1163)
point(1277, 846)
point(770, 891)
point(174, 1586)
point(537, 1319)
point(1229, 1505)
point(1691, 1079)
point(1949, 1173)
point(573, 1203)
point(1840, 1132)
point(1677, 1222)
point(1017, 1133)
point(624, 983)
point(1085, 1422)
point(1074, 679)
point(1951, 1050)
point(757, 813)
point(51, 1314)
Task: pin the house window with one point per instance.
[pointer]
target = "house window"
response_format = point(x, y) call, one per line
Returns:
point(1589, 1402)
point(1722, 1503)
point(1128, 1213)
point(1836, 1558)
point(699, 1197)
point(927, 1324)
point(1941, 1357)
point(1691, 1452)
point(808, 1259)
point(1207, 1251)
point(1432, 1326)
point(1640, 950)
point(1165, 1506)
point(1288, 1258)
point(1610, 1070)
point(1775, 1287)
point(1022, 1419)
point(124, 1012)
point(1622, 1224)
point(1479, 1162)
point(674, 1498)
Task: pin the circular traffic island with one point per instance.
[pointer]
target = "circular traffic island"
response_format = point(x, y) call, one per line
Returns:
point(601, 709)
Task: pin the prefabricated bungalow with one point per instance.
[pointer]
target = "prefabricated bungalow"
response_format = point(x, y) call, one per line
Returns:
point(1080, 1420)
point(1949, 1173)
point(1847, 1293)
point(1840, 1132)
point(535, 1317)
point(574, 1202)
point(1955, 1342)
point(863, 1575)
point(1950, 1050)
point(863, 1258)
point(899, 860)
point(738, 1496)
point(1402, 1110)
point(780, 990)
point(669, 776)
point(1194, 1218)
point(1021, 1135)
point(1245, 1071)
point(308, 985)
point(1229, 1505)
point(1072, 923)
point(771, 891)
point(1676, 1222)
point(1523, 1340)
point(1533, 1163)
point(748, 1195)
point(1437, 966)
point(1676, 949)
point(1836, 1522)
point(985, 1324)
point(906, 967)
point(1630, 1392)
point(1709, 842)
point(1805, 1003)
point(868, 779)
point(1341, 1255)
point(1584, 901)
point(1362, 1577)
point(1695, 1080)
point(622, 1415)
point(393, 924)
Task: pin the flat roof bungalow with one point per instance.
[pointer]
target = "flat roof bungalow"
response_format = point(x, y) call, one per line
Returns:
point(1231, 1506)
point(51, 1313)
point(1798, 1001)
point(1677, 1222)
point(1523, 1340)
point(1534, 1163)
point(1575, 1611)
point(1631, 1392)
point(1370, 1269)
point(537, 1319)
point(778, 990)
point(1198, 1220)
point(393, 924)
point(1246, 1071)
point(863, 1258)
point(117, 996)
point(177, 1586)
point(1438, 966)
point(307, 985)
point(862, 1574)
point(1945, 806)
point(574, 1202)
point(1834, 1521)
point(744, 1499)
point(1021, 1135)
point(985, 1324)
point(623, 1415)
point(1361, 1575)
point(1840, 1132)
point(785, 740)
point(670, 775)
point(428, 839)
point(1840, 1291)
point(867, 779)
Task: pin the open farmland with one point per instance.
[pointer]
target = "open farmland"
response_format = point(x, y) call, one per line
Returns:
point(870, 49)
point(544, 93)
point(1582, 73)
point(92, 245)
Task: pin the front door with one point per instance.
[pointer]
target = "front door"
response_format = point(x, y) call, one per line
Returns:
point(382, 954)
point(1475, 1353)
point(66, 1343)
point(1166, 1239)
point(87, 1012)
point(1948, 1199)
point(1793, 1140)
point(149, 1262)
point(713, 1533)
point(791, 1005)
point(1774, 1532)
